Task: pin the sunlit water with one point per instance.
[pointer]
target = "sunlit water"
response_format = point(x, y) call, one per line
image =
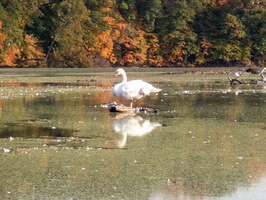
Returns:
point(57, 142)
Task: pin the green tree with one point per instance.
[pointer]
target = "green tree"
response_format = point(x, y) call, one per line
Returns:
point(224, 29)
point(150, 11)
point(232, 44)
point(178, 40)
point(257, 32)
point(127, 8)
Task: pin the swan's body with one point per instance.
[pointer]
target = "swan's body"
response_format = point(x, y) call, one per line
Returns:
point(131, 90)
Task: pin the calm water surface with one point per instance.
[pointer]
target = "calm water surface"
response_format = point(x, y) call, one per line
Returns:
point(57, 142)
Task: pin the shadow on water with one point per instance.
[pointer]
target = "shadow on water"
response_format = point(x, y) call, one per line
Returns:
point(26, 130)
point(85, 82)
point(207, 142)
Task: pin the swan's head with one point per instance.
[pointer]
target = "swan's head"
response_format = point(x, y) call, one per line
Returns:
point(119, 72)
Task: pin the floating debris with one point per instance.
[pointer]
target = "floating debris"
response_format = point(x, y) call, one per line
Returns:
point(121, 109)
point(147, 110)
point(110, 104)
point(114, 107)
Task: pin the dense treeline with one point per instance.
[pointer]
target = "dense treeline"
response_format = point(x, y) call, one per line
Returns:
point(87, 33)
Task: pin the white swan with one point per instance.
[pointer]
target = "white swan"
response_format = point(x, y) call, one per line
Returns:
point(131, 90)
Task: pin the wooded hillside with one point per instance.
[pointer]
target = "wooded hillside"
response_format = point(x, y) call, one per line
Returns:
point(101, 33)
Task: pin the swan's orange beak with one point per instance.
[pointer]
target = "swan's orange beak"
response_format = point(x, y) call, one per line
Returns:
point(115, 75)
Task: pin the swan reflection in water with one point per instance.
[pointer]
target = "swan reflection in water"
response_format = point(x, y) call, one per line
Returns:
point(132, 125)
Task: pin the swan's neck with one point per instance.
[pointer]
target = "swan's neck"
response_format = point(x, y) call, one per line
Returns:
point(124, 76)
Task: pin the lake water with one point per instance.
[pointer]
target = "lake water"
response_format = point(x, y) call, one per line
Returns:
point(56, 141)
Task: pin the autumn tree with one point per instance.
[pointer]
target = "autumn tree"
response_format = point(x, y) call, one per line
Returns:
point(178, 41)
point(88, 33)
point(11, 33)
point(32, 53)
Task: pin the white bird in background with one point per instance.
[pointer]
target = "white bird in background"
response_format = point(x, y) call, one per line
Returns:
point(131, 90)
point(263, 79)
point(237, 74)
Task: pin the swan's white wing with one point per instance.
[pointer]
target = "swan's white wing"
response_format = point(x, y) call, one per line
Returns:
point(125, 90)
point(134, 89)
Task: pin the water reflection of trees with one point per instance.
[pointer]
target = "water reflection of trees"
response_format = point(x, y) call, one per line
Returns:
point(219, 161)
point(212, 144)
point(50, 111)
point(201, 101)
point(205, 161)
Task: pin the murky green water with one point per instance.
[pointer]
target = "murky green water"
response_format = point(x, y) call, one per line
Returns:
point(207, 142)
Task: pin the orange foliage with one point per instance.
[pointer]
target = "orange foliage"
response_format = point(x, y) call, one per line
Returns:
point(133, 46)
point(153, 54)
point(178, 53)
point(173, 52)
point(106, 8)
point(205, 45)
point(30, 48)
point(122, 43)
point(105, 40)
point(154, 43)
point(127, 58)
point(11, 51)
point(2, 37)
point(220, 3)
point(105, 43)
point(8, 59)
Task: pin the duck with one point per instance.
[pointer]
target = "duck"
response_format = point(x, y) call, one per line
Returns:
point(131, 90)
